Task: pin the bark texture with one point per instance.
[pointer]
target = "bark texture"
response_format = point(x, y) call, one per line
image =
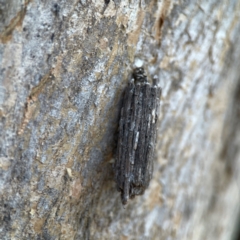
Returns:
point(64, 66)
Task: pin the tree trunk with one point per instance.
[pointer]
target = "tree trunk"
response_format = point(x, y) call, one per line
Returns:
point(64, 67)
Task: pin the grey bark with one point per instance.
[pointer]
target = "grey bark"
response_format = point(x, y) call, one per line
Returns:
point(64, 66)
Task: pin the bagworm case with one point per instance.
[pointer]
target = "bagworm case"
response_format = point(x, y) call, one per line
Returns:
point(137, 135)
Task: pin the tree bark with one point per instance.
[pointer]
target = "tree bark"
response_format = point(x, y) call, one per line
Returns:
point(64, 67)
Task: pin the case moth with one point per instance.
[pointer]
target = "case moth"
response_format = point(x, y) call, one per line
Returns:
point(137, 135)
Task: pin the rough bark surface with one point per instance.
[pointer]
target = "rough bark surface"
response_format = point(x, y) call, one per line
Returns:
point(64, 66)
